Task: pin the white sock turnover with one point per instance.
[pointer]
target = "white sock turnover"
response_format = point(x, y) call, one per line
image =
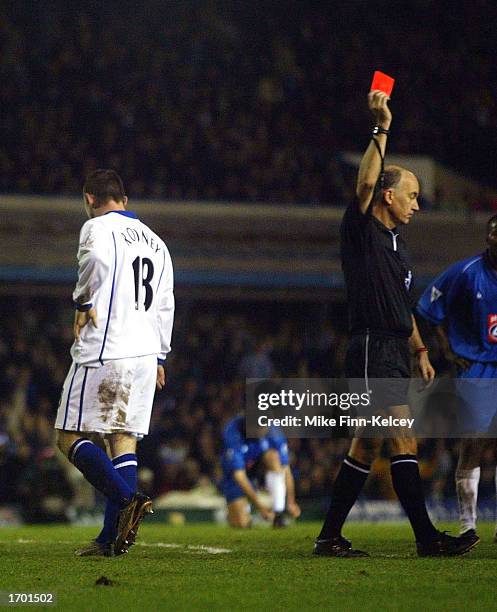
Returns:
point(275, 484)
point(467, 496)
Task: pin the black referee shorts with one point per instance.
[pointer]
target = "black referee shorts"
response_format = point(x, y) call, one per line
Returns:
point(373, 356)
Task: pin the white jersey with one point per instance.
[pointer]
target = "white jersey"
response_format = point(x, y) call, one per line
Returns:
point(125, 272)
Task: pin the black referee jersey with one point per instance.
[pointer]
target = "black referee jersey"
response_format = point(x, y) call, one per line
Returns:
point(378, 275)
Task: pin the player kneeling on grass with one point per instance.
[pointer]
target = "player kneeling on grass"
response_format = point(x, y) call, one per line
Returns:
point(242, 459)
point(124, 315)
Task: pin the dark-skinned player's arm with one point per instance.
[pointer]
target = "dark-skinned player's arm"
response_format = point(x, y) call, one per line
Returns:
point(421, 353)
point(370, 167)
point(446, 349)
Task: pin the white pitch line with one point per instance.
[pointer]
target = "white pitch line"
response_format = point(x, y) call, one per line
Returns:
point(187, 548)
point(197, 548)
point(159, 545)
point(24, 541)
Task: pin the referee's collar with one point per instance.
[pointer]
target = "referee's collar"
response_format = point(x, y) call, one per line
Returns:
point(126, 213)
point(384, 228)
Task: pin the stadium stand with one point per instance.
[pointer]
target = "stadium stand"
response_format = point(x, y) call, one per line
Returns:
point(212, 105)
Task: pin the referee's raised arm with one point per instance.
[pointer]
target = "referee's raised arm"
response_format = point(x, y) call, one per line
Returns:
point(371, 163)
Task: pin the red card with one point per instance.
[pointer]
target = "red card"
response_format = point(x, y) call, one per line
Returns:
point(383, 82)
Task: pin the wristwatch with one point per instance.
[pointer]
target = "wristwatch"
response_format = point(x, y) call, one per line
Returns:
point(379, 130)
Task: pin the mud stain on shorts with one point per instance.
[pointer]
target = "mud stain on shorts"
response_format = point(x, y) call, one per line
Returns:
point(120, 417)
point(113, 398)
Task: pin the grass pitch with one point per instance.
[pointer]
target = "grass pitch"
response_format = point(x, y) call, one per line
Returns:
point(207, 567)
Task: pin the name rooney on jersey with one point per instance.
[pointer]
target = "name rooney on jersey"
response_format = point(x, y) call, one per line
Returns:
point(132, 236)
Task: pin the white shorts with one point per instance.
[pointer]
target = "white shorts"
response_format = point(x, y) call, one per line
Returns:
point(116, 397)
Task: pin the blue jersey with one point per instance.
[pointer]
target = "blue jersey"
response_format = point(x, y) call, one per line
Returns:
point(241, 453)
point(466, 296)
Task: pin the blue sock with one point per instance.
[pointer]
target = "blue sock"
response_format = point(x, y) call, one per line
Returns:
point(127, 466)
point(98, 469)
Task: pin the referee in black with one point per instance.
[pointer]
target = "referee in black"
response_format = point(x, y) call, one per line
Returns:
point(384, 334)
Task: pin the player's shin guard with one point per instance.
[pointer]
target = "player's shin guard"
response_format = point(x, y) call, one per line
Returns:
point(467, 496)
point(408, 486)
point(98, 469)
point(127, 467)
point(275, 484)
point(348, 485)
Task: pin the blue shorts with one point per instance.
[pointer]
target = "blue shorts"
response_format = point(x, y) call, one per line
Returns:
point(477, 391)
point(230, 489)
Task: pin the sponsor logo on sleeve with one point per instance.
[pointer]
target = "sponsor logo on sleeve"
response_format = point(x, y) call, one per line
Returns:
point(435, 294)
point(492, 328)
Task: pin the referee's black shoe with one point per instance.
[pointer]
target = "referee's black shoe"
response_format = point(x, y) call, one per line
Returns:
point(336, 547)
point(471, 536)
point(280, 520)
point(448, 546)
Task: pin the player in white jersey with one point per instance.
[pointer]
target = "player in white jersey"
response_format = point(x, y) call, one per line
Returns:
point(123, 323)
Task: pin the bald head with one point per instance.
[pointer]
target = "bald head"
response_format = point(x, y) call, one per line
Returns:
point(396, 200)
point(394, 175)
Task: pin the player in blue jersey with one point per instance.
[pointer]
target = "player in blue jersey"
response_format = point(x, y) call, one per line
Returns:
point(462, 303)
point(242, 458)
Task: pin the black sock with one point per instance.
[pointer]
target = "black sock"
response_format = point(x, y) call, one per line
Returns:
point(348, 485)
point(407, 484)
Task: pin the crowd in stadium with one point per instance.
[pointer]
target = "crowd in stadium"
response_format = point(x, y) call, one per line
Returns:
point(250, 103)
point(212, 354)
point(253, 103)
